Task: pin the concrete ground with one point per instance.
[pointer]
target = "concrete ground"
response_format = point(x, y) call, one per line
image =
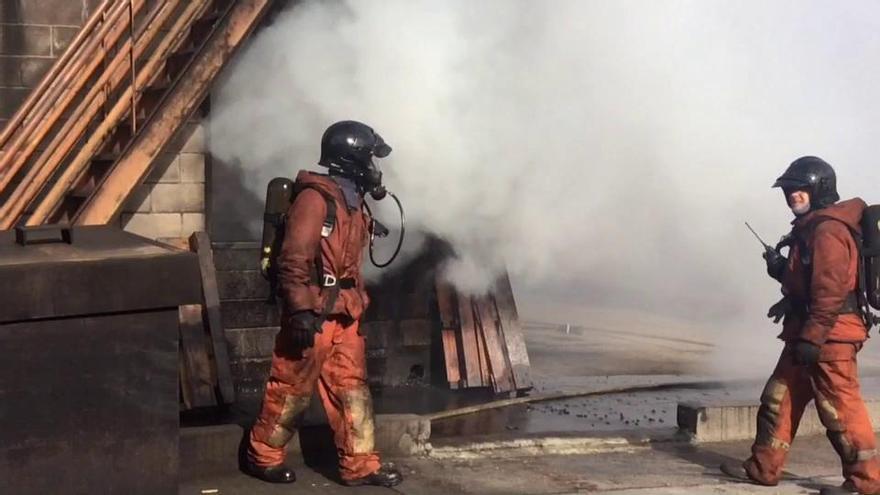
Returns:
point(644, 411)
point(665, 468)
point(667, 464)
point(580, 358)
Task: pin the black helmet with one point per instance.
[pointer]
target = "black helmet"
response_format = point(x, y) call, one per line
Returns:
point(350, 146)
point(816, 176)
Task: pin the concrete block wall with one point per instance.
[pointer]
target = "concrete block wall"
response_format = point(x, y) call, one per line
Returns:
point(33, 33)
point(402, 324)
point(170, 204)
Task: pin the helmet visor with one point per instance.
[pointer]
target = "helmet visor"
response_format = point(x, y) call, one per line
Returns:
point(381, 149)
point(789, 183)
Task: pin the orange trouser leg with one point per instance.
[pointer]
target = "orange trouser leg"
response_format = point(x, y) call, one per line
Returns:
point(786, 395)
point(292, 380)
point(349, 407)
point(842, 412)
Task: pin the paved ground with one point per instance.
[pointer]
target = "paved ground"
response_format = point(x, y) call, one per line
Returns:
point(662, 469)
point(642, 410)
point(577, 359)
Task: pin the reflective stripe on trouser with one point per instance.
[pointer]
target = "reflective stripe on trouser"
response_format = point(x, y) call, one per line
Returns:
point(337, 365)
point(835, 387)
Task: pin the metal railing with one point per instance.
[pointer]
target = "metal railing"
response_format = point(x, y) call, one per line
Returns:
point(47, 146)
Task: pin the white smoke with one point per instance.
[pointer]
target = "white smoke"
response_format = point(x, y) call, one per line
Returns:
point(606, 152)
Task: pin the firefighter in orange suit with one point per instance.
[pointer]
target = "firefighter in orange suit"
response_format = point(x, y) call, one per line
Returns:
point(323, 297)
point(823, 330)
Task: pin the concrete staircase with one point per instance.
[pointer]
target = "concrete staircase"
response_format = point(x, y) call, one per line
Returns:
point(249, 322)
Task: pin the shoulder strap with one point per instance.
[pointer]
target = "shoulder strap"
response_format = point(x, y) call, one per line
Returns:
point(332, 292)
point(330, 216)
point(327, 228)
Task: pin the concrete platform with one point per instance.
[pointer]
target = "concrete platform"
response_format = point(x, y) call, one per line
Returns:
point(727, 422)
point(551, 443)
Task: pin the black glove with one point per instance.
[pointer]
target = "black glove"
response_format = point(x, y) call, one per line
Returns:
point(776, 263)
point(806, 353)
point(778, 310)
point(303, 327)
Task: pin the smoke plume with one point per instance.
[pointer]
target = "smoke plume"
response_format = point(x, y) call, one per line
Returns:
point(605, 152)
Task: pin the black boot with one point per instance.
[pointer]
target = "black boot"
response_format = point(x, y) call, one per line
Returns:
point(386, 476)
point(272, 474)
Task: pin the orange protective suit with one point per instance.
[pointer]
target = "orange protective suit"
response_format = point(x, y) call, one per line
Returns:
point(820, 277)
point(336, 364)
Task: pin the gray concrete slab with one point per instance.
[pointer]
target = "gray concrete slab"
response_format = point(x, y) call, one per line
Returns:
point(663, 468)
point(724, 422)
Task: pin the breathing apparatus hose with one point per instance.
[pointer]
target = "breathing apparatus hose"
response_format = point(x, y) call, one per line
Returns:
point(399, 240)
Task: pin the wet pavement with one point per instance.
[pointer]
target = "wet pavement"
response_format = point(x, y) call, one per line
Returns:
point(613, 412)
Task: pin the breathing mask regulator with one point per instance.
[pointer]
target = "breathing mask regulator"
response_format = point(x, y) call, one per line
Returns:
point(348, 149)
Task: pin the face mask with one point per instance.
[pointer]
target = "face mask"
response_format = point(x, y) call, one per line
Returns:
point(372, 182)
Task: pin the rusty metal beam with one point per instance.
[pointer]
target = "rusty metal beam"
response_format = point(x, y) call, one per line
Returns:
point(75, 169)
point(51, 105)
point(53, 81)
point(71, 131)
point(180, 103)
